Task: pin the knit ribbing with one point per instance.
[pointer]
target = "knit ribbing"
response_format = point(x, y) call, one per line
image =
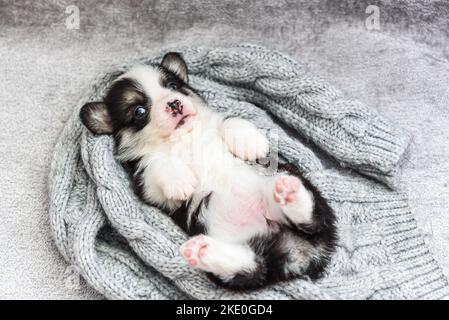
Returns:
point(129, 250)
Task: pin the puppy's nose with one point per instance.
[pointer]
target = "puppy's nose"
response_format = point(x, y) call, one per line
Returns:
point(175, 106)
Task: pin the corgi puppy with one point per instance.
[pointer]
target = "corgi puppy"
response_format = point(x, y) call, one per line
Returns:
point(248, 226)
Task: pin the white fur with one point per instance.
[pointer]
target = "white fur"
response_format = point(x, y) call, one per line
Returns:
point(300, 211)
point(244, 140)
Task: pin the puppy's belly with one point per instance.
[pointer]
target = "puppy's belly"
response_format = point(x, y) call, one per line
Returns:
point(247, 211)
point(239, 214)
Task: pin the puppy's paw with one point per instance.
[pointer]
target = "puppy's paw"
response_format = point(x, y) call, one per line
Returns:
point(244, 140)
point(286, 190)
point(293, 198)
point(220, 258)
point(194, 250)
point(181, 186)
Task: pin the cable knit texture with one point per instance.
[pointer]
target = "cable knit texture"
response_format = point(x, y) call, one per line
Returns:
point(128, 250)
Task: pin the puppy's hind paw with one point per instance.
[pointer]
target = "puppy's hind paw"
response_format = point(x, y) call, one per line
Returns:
point(293, 198)
point(220, 258)
point(286, 190)
point(194, 250)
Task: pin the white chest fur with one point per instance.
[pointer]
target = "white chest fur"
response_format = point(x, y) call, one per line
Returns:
point(238, 206)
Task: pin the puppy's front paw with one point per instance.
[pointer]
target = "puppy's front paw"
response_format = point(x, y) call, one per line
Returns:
point(244, 140)
point(181, 187)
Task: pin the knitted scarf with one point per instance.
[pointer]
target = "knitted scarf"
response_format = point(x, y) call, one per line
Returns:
point(126, 249)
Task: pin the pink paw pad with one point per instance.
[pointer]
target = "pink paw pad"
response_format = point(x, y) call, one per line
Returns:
point(193, 262)
point(286, 189)
point(194, 249)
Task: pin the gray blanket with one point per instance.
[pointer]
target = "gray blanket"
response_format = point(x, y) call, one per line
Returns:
point(127, 249)
point(400, 70)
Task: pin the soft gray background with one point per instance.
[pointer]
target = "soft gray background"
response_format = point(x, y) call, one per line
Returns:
point(402, 70)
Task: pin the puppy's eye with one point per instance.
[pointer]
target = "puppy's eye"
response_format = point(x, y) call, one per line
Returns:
point(140, 112)
point(172, 85)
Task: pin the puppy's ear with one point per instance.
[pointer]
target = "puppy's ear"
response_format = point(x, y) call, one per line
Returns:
point(174, 62)
point(95, 116)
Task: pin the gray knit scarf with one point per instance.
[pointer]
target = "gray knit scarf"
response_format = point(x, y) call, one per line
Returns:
point(126, 249)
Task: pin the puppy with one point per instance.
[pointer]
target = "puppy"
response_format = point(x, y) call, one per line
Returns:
point(248, 227)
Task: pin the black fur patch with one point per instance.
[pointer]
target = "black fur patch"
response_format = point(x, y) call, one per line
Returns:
point(174, 62)
point(271, 259)
point(168, 78)
point(181, 216)
point(95, 116)
point(122, 99)
point(136, 176)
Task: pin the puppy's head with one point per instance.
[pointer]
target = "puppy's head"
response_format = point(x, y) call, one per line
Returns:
point(146, 103)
